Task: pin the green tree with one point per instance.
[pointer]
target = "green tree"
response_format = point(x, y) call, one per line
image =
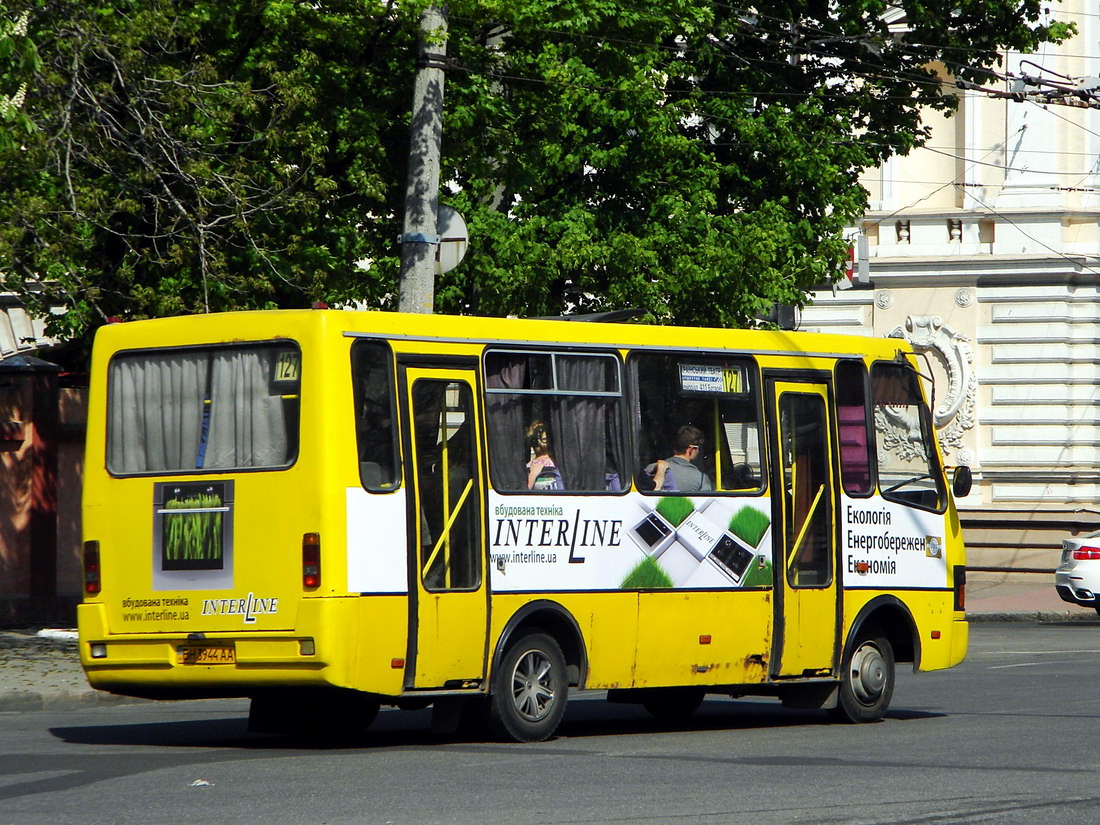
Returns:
point(18, 63)
point(200, 156)
point(696, 160)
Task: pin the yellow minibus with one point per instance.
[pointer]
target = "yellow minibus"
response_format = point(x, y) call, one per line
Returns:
point(327, 511)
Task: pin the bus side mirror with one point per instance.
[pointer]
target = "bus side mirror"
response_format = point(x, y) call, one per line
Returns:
point(962, 481)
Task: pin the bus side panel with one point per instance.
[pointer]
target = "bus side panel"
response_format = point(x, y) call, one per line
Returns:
point(703, 638)
point(377, 569)
point(608, 623)
point(941, 637)
point(910, 554)
point(380, 643)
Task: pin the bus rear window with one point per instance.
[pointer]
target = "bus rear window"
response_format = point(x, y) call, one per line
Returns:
point(203, 408)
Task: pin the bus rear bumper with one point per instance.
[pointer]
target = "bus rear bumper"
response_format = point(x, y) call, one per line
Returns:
point(175, 665)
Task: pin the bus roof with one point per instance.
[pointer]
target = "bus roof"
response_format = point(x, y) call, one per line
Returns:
point(266, 324)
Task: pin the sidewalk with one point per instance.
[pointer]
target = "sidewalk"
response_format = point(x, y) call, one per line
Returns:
point(40, 669)
point(1001, 597)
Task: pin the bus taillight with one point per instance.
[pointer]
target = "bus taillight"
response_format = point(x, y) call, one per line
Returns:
point(960, 587)
point(92, 584)
point(311, 560)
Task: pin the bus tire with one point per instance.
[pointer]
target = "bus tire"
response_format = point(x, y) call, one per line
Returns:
point(866, 680)
point(529, 690)
point(673, 704)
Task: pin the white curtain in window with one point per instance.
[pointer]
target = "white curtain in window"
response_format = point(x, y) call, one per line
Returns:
point(247, 427)
point(155, 412)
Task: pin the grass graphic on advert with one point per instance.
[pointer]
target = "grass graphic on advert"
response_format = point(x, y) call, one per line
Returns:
point(675, 509)
point(647, 573)
point(749, 525)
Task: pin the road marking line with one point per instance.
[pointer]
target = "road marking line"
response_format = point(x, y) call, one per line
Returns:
point(1033, 664)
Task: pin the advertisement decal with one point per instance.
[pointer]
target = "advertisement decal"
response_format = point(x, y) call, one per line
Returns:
point(890, 545)
point(630, 542)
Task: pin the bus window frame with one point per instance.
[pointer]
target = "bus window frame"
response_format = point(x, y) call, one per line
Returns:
point(201, 471)
point(359, 342)
point(928, 439)
point(755, 377)
point(614, 355)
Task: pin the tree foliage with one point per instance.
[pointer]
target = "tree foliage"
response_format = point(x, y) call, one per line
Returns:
point(696, 160)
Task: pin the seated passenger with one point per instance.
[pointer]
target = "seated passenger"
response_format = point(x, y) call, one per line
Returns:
point(542, 472)
point(678, 472)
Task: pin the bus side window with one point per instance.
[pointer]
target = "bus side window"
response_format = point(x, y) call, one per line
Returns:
point(719, 397)
point(908, 467)
point(375, 435)
point(573, 400)
point(851, 415)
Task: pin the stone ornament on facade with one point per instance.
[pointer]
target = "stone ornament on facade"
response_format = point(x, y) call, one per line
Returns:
point(899, 432)
point(964, 298)
point(955, 413)
point(884, 299)
point(954, 230)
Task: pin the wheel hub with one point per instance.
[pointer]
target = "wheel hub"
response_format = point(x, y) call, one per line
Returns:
point(868, 674)
point(532, 686)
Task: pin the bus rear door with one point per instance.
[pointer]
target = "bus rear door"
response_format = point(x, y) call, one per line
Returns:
point(449, 612)
point(806, 608)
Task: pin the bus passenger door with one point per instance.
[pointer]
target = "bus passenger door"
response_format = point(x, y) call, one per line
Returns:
point(805, 638)
point(449, 610)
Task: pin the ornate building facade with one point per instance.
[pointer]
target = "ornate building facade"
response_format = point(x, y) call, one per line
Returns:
point(983, 249)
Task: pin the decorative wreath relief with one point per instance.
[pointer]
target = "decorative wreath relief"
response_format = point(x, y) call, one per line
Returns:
point(900, 429)
point(955, 414)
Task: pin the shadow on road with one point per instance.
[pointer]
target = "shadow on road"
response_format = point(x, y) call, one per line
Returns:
point(584, 718)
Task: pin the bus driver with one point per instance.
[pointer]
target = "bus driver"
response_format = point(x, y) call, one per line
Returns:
point(678, 472)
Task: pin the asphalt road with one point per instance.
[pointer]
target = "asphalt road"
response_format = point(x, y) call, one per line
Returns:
point(1008, 737)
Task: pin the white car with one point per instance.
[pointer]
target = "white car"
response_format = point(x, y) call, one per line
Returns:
point(1078, 575)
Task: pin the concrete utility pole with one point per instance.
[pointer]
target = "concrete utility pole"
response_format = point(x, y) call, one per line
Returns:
point(416, 289)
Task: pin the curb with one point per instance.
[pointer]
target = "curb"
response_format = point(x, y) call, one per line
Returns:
point(1035, 616)
point(28, 702)
point(48, 656)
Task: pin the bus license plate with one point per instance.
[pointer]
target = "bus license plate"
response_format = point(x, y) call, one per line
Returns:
point(207, 655)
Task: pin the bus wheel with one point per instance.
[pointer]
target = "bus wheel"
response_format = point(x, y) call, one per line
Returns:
point(529, 690)
point(673, 704)
point(867, 680)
